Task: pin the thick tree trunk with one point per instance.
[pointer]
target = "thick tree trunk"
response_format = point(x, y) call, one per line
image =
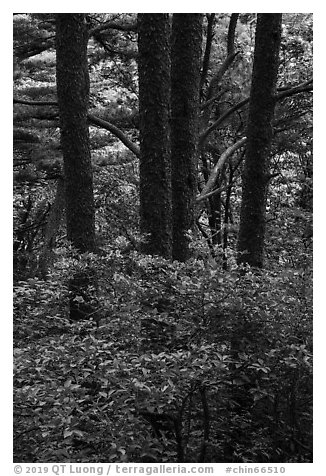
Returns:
point(73, 94)
point(259, 139)
point(154, 106)
point(185, 80)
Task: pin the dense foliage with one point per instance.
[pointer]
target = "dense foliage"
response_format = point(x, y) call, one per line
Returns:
point(200, 361)
point(185, 364)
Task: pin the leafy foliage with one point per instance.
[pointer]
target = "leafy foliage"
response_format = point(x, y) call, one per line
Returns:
point(185, 363)
point(194, 362)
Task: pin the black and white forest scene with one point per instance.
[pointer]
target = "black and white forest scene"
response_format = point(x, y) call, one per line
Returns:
point(162, 238)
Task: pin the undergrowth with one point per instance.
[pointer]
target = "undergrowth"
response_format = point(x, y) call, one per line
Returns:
point(178, 363)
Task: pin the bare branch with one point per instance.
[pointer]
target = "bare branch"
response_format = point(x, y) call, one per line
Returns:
point(225, 187)
point(213, 192)
point(282, 93)
point(115, 131)
point(303, 87)
point(35, 47)
point(216, 79)
point(231, 33)
point(208, 47)
point(35, 103)
point(203, 136)
point(112, 25)
point(93, 120)
point(210, 101)
point(213, 176)
point(123, 53)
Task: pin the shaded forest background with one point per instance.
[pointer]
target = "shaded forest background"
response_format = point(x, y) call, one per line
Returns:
point(139, 339)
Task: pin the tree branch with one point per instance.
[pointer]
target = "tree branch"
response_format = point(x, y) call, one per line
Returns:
point(128, 54)
point(216, 79)
point(213, 192)
point(301, 88)
point(35, 103)
point(93, 120)
point(231, 33)
point(203, 136)
point(112, 25)
point(33, 48)
point(282, 93)
point(115, 131)
point(213, 176)
point(210, 101)
point(208, 47)
point(221, 189)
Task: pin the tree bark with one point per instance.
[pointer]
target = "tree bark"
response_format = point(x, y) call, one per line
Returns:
point(259, 139)
point(216, 79)
point(185, 80)
point(207, 53)
point(73, 95)
point(154, 107)
point(218, 167)
point(53, 222)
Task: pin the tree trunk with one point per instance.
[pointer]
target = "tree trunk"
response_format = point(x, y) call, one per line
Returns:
point(73, 95)
point(154, 106)
point(53, 222)
point(185, 80)
point(259, 139)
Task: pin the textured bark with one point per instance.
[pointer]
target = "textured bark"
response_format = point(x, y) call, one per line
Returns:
point(208, 48)
point(73, 94)
point(185, 80)
point(154, 106)
point(53, 222)
point(259, 139)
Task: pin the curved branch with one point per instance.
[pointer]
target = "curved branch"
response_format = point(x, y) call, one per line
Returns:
point(216, 79)
point(123, 53)
point(281, 94)
point(210, 101)
point(203, 136)
point(213, 176)
point(93, 120)
point(115, 131)
point(112, 25)
point(231, 54)
point(220, 73)
point(33, 48)
point(303, 87)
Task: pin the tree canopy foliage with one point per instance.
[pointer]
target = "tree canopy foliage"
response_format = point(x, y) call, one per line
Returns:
point(197, 359)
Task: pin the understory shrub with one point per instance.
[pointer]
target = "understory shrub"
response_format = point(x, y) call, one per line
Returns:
point(183, 363)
